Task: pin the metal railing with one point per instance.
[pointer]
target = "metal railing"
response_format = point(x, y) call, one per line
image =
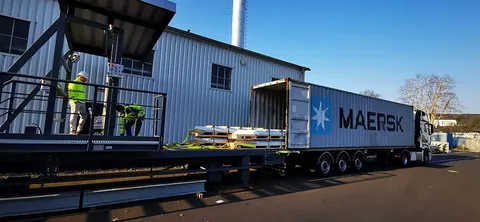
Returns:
point(25, 98)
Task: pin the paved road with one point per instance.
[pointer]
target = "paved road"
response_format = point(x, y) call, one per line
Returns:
point(443, 191)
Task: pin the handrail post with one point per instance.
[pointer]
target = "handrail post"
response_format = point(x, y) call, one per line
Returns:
point(162, 121)
point(92, 119)
point(10, 103)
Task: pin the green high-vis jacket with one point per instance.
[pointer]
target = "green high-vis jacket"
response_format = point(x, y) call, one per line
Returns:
point(76, 92)
point(131, 113)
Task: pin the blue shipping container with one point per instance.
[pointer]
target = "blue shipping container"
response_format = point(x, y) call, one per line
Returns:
point(321, 117)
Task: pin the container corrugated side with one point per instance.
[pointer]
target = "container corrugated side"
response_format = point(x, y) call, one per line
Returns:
point(342, 119)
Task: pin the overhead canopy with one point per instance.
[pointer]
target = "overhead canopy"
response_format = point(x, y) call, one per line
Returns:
point(143, 21)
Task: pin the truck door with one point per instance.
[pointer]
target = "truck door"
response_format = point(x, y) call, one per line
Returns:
point(298, 121)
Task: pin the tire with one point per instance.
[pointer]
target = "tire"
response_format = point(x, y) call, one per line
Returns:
point(324, 165)
point(342, 163)
point(358, 163)
point(427, 158)
point(405, 159)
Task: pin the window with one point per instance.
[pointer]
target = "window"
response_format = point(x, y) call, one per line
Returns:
point(13, 35)
point(138, 68)
point(221, 77)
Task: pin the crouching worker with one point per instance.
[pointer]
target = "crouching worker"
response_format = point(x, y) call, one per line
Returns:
point(130, 115)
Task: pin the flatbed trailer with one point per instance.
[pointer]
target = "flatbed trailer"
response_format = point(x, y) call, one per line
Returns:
point(46, 151)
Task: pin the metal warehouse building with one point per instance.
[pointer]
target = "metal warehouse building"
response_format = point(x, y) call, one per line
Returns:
point(206, 81)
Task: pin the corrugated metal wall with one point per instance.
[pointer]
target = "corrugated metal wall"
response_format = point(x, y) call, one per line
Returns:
point(182, 69)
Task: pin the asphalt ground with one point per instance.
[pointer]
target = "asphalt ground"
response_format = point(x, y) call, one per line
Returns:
point(446, 190)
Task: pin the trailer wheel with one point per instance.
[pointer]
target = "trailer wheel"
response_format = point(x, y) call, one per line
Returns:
point(358, 162)
point(405, 159)
point(324, 165)
point(342, 163)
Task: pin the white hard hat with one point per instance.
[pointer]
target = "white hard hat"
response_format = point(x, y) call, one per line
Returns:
point(84, 74)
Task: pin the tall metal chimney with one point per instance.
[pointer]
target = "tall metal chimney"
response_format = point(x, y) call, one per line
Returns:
point(238, 23)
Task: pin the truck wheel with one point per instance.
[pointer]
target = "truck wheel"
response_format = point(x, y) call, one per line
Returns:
point(358, 163)
point(342, 163)
point(324, 165)
point(405, 159)
point(426, 158)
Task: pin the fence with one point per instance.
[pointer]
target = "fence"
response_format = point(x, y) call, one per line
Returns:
point(25, 101)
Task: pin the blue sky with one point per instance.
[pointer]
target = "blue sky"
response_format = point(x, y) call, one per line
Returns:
point(355, 45)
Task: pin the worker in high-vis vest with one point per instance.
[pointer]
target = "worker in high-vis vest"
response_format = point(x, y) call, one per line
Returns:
point(77, 98)
point(130, 115)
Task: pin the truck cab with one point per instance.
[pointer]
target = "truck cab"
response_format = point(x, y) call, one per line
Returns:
point(423, 131)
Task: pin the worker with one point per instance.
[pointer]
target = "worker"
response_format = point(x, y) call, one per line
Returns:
point(45, 87)
point(130, 115)
point(77, 98)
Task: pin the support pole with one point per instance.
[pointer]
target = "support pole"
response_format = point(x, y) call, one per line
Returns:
point(11, 102)
point(63, 114)
point(244, 173)
point(57, 55)
point(111, 95)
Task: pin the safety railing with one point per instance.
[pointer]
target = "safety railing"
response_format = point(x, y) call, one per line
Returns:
point(27, 108)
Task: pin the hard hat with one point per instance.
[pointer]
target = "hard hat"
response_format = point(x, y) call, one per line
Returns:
point(84, 74)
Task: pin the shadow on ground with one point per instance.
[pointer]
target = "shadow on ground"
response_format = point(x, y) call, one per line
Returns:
point(263, 184)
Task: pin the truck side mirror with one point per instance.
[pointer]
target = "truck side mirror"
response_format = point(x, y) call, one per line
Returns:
point(431, 129)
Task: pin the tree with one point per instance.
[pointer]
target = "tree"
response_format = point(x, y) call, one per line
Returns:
point(432, 93)
point(371, 93)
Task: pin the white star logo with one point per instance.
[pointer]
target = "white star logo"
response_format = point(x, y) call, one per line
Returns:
point(320, 116)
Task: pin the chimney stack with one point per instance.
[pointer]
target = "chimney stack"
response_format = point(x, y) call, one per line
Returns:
point(238, 23)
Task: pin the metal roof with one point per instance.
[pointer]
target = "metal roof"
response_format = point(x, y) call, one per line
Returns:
point(143, 22)
point(234, 48)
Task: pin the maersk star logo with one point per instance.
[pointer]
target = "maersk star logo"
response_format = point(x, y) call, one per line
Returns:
point(320, 116)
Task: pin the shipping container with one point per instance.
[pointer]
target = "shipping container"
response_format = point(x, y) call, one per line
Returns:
point(318, 117)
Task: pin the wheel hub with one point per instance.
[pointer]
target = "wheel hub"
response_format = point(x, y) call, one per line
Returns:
point(325, 166)
point(405, 160)
point(342, 165)
point(358, 163)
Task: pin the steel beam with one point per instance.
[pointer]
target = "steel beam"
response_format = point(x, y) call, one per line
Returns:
point(24, 205)
point(63, 114)
point(112, 93)
point(90, 23)
point(94, 198)
point(11, 102)
point(57, 56)
point(245, 172)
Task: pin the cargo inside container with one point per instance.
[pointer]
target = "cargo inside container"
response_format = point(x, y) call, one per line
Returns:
point(268, 105)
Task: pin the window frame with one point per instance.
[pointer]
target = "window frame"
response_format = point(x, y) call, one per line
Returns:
point(139, 72)
point(15, 35)
point(218, 75)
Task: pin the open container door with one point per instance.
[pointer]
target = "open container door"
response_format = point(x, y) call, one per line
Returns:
point(298, 115)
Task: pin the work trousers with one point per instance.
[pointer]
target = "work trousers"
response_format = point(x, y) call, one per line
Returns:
point(129, 125)
point(77, 110)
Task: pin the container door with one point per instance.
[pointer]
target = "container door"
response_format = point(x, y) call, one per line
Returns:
point(298, 115)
